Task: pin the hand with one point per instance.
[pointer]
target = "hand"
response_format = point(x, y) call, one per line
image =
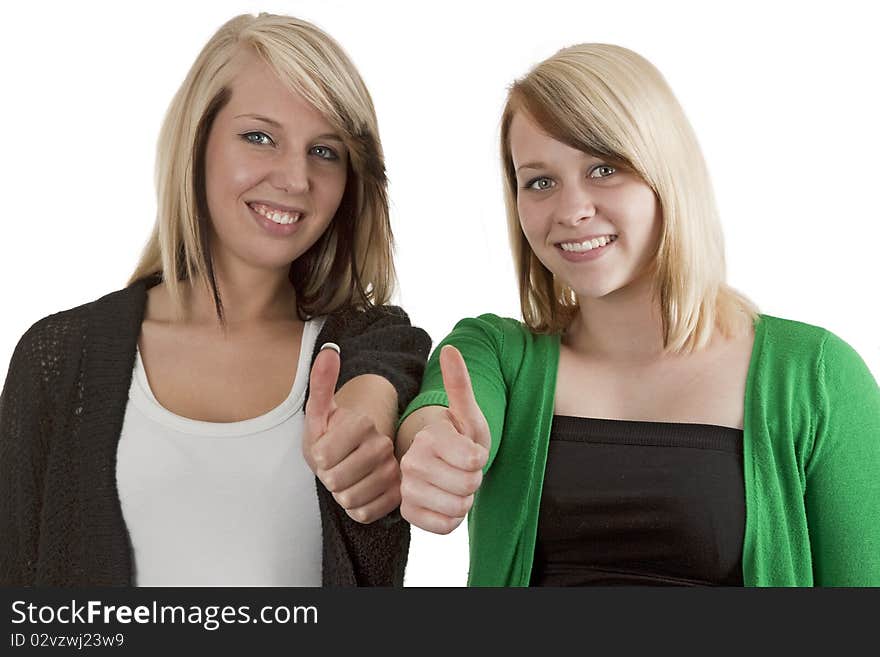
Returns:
point(442, 469)
point(353, 460)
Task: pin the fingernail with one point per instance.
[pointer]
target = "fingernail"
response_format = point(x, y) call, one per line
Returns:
point(330, 345)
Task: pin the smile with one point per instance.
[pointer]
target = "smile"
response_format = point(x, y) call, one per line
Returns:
point(282, 217)
point(587, 245)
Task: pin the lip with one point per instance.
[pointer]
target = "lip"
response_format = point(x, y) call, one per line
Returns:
point(592, 254)
point(275, 230)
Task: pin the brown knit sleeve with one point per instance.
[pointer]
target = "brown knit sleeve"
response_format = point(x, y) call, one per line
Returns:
point(379, 341)
point(24, 431)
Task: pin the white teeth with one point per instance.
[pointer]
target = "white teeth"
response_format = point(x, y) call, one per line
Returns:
point(588, 245)
point(282, 218)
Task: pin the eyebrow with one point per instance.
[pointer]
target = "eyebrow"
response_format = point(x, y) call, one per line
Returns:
point(531, 165)
point(272, 122)
point(259, 117)
point(541, 165)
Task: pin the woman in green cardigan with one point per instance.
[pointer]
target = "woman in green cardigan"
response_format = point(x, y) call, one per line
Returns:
point(644, 424)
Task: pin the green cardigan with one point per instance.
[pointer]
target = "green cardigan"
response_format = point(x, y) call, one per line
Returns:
point(811, 452)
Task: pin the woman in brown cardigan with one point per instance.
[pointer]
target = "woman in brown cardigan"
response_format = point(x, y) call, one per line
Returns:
point(157, 435)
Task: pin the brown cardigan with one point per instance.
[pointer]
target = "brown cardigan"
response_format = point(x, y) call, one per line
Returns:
point(61, 414)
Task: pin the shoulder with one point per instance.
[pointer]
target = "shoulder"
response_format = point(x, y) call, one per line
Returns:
point(55, 328)
point(56, 336)
point(786, 344)
point(510, 339)
point(801, 340)
point(791, 334)
point(794, 344)
point(74, 321)
point(513, 331)
point(493, 323)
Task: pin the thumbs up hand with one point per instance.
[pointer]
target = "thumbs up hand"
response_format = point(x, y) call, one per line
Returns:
point(345, 450)
point(442, 469)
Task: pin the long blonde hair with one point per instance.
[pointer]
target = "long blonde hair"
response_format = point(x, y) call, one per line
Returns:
point(351, 264)
point(612, 103)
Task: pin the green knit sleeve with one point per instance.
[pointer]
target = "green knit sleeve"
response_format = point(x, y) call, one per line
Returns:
point(480, 341)
point(842, 494)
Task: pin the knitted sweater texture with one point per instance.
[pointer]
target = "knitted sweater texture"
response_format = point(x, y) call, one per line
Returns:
point(61, 413)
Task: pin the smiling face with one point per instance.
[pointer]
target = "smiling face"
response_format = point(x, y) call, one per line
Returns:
point(594, 225)
point(275, 171)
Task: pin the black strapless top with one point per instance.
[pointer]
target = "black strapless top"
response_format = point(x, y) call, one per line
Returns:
point(641, 503)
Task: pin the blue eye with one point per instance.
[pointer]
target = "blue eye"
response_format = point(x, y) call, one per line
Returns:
point(541, 183)
point(602, 171)
point(324, 152)
point(258, 138)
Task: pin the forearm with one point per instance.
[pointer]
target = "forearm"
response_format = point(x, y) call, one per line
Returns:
point(374, 396)
point(417, 421)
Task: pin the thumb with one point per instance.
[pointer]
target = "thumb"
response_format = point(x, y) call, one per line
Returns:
point(462, 403)
point(322, 387)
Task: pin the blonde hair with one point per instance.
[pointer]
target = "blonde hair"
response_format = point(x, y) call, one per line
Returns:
point(351, 263)
point(612, 103)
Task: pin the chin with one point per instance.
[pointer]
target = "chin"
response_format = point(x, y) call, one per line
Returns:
point(272, 262)
point(595, 292)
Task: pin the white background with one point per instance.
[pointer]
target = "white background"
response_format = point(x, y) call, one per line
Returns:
point(783, 97)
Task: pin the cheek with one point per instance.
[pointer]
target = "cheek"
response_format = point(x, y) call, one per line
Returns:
point(329, 190)
point(637, 212)
point(228, 172)
point(649, 211)
point(530, 221)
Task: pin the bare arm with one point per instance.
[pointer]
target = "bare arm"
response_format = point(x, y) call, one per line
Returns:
point(417, 421)
point(371, 395)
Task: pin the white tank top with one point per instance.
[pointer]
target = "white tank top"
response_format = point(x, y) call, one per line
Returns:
point(220, 503)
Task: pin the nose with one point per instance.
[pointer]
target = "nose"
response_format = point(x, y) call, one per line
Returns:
point(576, 204)
point(291, 174)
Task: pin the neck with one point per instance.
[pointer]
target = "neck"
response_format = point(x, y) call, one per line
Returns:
point(248, 295)
point(625, 325)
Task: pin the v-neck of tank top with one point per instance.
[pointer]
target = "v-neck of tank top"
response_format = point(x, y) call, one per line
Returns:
point(142, 396)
